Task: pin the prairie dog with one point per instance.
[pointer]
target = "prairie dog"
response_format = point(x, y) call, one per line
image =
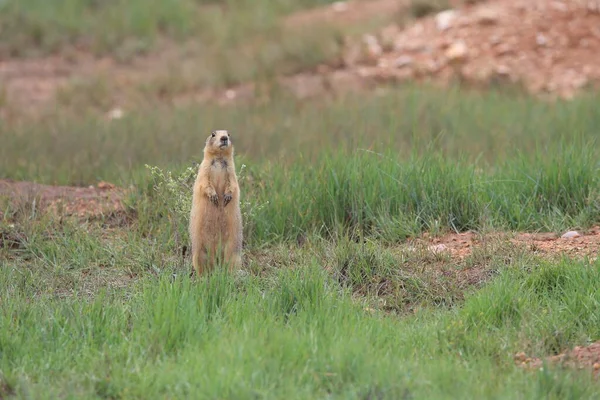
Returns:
point(215, 219)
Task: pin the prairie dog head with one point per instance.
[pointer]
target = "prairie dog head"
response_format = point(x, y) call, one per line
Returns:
point(219, 143)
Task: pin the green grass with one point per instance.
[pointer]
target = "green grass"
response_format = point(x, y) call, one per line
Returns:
point(37, 25)
point(296, 334)
point(228, 42)
point(484, 128)
point(455, 162)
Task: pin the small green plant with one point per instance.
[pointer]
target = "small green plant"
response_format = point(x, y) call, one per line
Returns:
point(175, 191)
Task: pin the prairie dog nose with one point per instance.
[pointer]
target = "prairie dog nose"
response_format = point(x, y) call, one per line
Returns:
point(224, 139)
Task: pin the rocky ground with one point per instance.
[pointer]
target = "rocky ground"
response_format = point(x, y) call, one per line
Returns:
point(550, 47)
point(580, 357)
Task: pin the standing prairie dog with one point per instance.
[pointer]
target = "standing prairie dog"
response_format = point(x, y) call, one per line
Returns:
point(215, 218)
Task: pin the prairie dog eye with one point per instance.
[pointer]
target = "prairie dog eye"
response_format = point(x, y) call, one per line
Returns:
point(213, 134)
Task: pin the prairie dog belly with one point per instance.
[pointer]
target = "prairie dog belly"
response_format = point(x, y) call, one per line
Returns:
point(218, 175)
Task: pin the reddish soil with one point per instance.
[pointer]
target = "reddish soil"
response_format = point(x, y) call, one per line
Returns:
point(92, 201)
point(549, 46)
point(586, 357)
point(30, 85)
point(461, 245)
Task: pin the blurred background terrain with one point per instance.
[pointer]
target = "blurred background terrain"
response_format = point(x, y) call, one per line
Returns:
point(420, 192)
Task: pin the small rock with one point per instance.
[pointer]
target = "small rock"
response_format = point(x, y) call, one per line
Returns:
point(503, 49)
point(443, 20)
point(115, 113)
point(571, 235)
point(495, 39)
point(374, 49)
point(433, 66)
point(403, 61)
point(457, 51)
point(230, 94)
point(593, 6)
point(487, 16)
point(339, 6)
point(502, 70)
point(105, 185)
point(541, 40)
point(437, 248)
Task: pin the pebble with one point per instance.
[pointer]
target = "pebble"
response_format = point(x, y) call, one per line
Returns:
point(437, 248)
point(403, 61)
point(339, 6)
point(571, 235)
point(443, 20)
point(487, 16)
point(541, 40)
point(374, 49)
point(457, 51)
point(115, 113)
point(230, 94)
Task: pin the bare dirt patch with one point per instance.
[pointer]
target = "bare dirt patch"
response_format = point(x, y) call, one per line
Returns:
point(462, 245)
point(93, 201)
point(580, 357)
point(31, 85)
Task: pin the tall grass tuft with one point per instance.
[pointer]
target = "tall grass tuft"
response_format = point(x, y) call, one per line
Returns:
point(382, 196)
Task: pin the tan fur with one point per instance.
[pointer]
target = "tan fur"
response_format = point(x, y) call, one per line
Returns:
point(215, 218)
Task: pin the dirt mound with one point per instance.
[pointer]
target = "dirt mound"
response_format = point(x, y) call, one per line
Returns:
point(586, 357)
point(549, 46)
point(103, 199)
